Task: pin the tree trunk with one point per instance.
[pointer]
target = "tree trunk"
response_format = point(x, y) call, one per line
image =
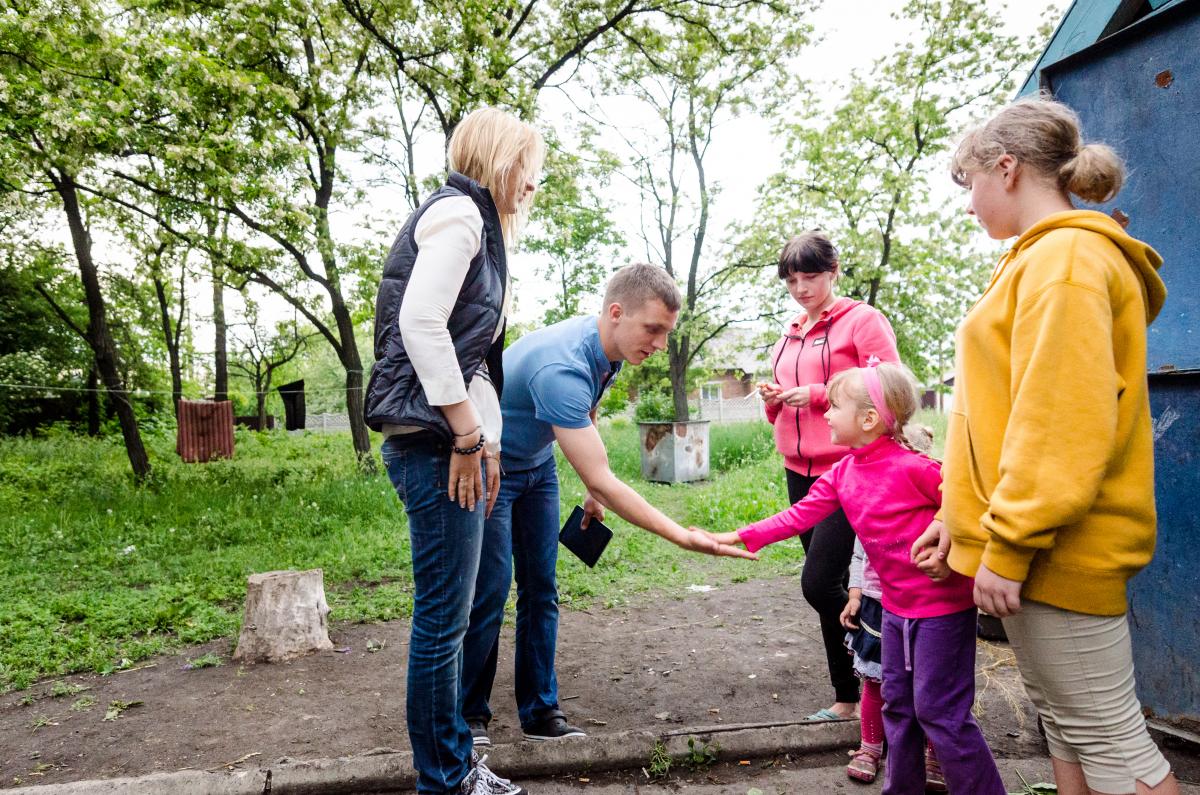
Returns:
point(677, 356)
point(98, 335)
point(261, 398)
point(172, 341)
point(93, 401)
point(351, 361)
point(359, 432)
point(220, 347)
point(262, 385)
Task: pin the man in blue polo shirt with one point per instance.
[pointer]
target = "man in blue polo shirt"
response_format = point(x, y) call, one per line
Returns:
point(553, 380)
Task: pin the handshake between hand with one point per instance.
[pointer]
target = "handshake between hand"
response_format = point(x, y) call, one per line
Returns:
point(719, 544)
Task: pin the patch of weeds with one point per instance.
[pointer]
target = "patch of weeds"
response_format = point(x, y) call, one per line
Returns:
point(1041, 788)
point(700, 756)
point(41, 721)
point(26, 700)
point(83, 703)
point(210, 660)
point(116, 708)
point(60, 689)
point(660, 763)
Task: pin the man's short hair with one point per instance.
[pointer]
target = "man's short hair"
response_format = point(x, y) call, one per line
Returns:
point(634, 285)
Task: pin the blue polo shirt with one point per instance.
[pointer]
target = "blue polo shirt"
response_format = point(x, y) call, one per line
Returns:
point(553, 376)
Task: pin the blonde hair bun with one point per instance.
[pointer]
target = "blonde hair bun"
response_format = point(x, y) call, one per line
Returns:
point(1095, 174)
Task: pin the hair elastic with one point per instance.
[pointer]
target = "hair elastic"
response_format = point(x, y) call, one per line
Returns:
point(875, 390)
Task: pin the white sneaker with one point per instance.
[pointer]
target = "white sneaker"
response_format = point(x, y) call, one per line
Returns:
point(482, 781)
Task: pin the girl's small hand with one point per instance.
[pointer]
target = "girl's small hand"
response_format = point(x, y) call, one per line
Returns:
point(929, 551)
point(729, 539)
point(850, 612)
point(996, 595)
point(798, 397)
point(933, 567)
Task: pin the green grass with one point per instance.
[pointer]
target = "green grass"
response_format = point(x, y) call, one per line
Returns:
point(96, 574)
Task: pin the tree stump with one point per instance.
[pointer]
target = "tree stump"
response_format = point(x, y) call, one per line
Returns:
point(285, 616)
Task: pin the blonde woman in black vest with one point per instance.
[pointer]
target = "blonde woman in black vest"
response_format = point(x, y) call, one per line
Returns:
point(434, 394)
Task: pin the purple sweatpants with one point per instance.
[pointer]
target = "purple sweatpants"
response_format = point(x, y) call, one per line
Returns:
point(928, 690)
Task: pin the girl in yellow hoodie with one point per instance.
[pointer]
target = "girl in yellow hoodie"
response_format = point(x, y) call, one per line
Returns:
point(1048, 493)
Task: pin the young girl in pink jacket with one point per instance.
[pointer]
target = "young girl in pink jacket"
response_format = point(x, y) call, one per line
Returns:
point(890, 493)
point(831, 334)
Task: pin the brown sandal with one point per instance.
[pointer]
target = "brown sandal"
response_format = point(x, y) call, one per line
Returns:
point(934, 780)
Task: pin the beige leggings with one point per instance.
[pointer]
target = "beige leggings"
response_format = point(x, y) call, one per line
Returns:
point(1078, 671)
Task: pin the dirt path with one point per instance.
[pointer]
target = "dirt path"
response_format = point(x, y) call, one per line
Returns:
point(748, 652)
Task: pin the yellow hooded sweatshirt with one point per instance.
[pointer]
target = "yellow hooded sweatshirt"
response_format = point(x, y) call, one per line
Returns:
point(1049, 471)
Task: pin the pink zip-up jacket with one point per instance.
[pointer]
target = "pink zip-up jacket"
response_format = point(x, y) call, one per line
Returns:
point(848, 334)
point(889, 494)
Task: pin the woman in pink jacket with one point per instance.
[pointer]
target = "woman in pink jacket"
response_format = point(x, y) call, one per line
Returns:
point(830, 335)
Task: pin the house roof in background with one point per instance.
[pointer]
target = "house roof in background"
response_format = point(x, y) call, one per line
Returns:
point(739, 349)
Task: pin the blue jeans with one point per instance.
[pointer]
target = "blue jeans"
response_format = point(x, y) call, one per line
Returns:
point(446, 542)
point(521, 535)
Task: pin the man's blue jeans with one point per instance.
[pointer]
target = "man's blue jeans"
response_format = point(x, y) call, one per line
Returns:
point(520, 536)
point(446, 542)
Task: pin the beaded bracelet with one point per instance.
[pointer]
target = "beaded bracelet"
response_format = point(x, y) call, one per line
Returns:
point(470, 450)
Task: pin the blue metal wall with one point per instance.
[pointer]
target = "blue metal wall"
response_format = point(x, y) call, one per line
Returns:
point(1139, 91)
point(1164, 601)
point(1113, 85)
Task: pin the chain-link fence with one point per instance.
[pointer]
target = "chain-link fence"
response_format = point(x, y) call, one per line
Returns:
point(742, 409)
point(327, 422)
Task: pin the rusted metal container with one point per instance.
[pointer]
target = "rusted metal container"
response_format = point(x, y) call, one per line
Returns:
point(205, 430)
point(674, 452)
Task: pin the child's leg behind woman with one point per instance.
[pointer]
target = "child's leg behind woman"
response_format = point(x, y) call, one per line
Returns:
point(928, 691)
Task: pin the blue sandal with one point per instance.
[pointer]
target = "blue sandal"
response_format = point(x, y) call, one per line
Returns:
point(824, 715)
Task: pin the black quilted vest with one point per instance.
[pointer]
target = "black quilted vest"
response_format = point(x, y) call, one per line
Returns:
point(394, 393)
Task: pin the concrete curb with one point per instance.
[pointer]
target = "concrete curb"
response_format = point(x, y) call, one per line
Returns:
point(385, 769)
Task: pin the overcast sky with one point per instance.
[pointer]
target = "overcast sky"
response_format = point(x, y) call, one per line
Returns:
point(853, 34)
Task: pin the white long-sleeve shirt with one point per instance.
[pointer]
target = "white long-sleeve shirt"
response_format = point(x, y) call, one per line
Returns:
point(448, 237)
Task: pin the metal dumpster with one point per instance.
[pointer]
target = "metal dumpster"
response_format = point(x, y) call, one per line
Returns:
point(1139, 91)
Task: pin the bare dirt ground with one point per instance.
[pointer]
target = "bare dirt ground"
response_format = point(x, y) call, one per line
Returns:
point(744, 653)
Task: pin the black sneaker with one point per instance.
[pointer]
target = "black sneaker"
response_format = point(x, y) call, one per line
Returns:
point(482, 781)
point(479, 735)
point(551, 726)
